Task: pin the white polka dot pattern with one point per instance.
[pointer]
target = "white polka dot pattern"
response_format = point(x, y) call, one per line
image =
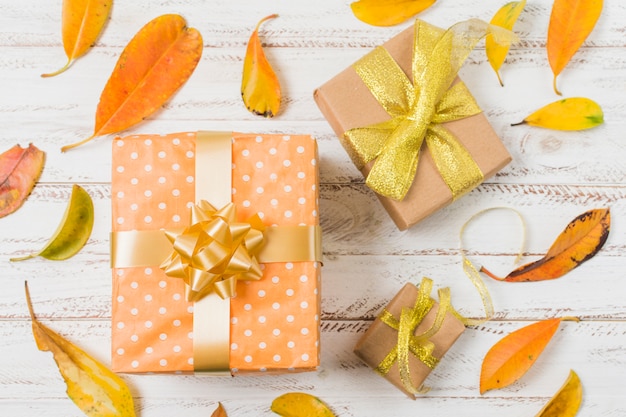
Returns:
point(274, 321)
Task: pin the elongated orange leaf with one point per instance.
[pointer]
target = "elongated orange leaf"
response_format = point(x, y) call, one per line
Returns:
point(510, 358)
point(155, 63)
point(580, 241)
point(96, 390)
point(571, 21)
point(388, 12)
point(19, 171)
point(505, 18)
point(260, 89)
point(566, 401)
point(83, 21)
point(219, 411)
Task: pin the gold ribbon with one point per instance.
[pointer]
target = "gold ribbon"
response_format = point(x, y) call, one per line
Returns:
point(408, 343)
point(419, 109)
point(215, 251)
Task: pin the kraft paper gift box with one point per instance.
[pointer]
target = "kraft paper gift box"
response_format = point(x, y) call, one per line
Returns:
point(348, 103)
point(380, 349)
point(271, 325)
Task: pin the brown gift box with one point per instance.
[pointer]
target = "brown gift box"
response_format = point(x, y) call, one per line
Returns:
point(380, 339)
point(346, 103)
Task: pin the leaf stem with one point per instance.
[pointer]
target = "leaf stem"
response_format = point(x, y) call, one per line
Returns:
point(570, 318)
point(258, 25)
point(57, 72)
point(23, 258)
point(74, 145)
point(28, 301)
point(519, 123)
point(556, 90)
point(489, 274)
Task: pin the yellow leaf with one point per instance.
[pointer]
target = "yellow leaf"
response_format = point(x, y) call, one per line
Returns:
point(260, 89)
point(571, 21)
point(82, 22)
point(96, 390)
point(566, 401)
point(576, 113)
point(73, 231)
point(300, 404)
point(219, 411)
point(505, 18)
point(388, 12)
point(582, 238)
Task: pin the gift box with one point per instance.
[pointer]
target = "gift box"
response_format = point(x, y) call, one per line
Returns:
point(417, 162)
point(408, 339)
point(246, 298)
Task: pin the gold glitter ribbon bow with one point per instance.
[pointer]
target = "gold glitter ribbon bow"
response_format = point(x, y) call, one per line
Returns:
point(419, 109)
point(215, 251)
point(408, 343)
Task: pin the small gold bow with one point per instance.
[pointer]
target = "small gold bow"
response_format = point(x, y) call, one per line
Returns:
point(409, 343)
point(418, 110)
point(215, 251)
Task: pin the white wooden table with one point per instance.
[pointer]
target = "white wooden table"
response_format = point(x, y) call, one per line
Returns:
point(554, 176)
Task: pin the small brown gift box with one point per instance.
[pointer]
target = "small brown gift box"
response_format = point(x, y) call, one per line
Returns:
point(346, 103)
point(380, 339)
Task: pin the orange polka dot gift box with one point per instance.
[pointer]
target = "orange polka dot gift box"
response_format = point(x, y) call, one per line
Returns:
point(216, 253)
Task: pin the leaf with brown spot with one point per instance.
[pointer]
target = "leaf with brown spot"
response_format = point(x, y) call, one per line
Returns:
point(260, 88)
point(510, 358)
point(19, 171)
point(580, 241)
point(95, 389)
point(156, 62)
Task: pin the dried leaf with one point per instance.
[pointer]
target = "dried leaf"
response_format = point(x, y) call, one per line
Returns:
point(571, 21)
point(155, 63)
point(219, 411)
point(505, 18)
point(260, 89)
point(83, 20)
point(19, 171)
point(510, 358)
point(576, 113)
point(566, 401)
point(580, 241)
point(73, 231)
point(299, 404)
point(388, 12)
point(96, 390)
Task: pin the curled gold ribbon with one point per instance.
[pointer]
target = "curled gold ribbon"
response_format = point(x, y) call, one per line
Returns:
point(408, 343)
point(215, 251)
point(418, 110)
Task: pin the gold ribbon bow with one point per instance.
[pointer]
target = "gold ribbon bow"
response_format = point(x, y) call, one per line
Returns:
point(419, 109)
point(408, 343)
point(215, 251)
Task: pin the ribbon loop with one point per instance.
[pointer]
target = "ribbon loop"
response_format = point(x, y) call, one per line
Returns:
point(215, 251)
point(417, 107)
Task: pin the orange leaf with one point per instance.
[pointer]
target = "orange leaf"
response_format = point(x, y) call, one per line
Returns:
point(580, 241)
point(260, 89)
point(510, 358)
point(19, 171)
point(571, 21)
point(219, 411)
point(83, 21)
point(388, 12)
point(155, 63)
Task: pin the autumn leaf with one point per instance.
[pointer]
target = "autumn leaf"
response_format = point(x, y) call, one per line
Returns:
point(260, 89)
point(155, 63)
point(299, 404)
point(576, 113)
point(580, 241)
point(566, 401)
point(510, 358)
point(73, 231)
point(96, 390)
point(219, 411)
point(19, 171)
point(505, 18)
point(82, 22)
point(388, 12)
point(571, 21)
